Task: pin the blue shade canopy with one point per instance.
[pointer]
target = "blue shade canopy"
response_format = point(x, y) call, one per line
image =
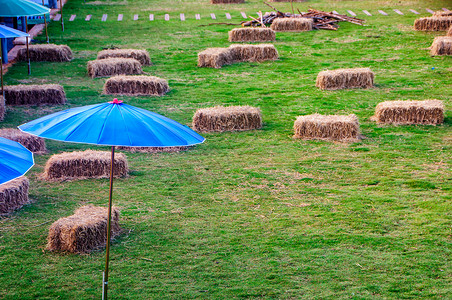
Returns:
point(15, 160)
point(20, 8)
point(113, 124)
point(8, 32)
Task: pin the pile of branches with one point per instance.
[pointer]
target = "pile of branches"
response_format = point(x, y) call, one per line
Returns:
point(322, 19)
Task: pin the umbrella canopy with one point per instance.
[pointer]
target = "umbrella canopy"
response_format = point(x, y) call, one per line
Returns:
point(113, 124)
point(19, 8)
point(8, 32)
point(15, 160)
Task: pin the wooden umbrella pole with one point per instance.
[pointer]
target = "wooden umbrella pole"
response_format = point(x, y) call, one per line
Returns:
point(1, 71)
point(45, 22)
point(107, 254)
point(61, 11)
point(28, 51)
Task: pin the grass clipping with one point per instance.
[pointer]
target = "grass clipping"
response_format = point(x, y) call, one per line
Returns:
point(84, 164)
point(46, 52)
point(442, 45)
point(2, 108)
point(323, 127)
point(13, 194)
point(232, 118)
point(141, 55)
point(427, 112)
point(345, 79)
point(34, 94)
point(33, 143)
point(251, 34)
point(433, 23)
point(84, 231)
point(136, 86)
point(292, 24)
point(113, 66)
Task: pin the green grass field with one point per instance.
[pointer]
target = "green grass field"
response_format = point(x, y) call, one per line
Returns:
point(252, 214)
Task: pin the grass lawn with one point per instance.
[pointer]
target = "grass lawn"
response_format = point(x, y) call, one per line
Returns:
point(251, 214)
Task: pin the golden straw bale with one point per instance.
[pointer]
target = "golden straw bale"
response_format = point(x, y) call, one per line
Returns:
point(34, 94)
point(113, 66)
point(84, 164)
point(154, 149)
point(442, 13)
point(251, 34)
point(84, 231)
point(141, 55)
point(261, 52)
point(324, 127)
point(433, 23)
point(231, 118)
point(2, 107)
point(427, 112)
point(136, 86)
point(449, 32)
point(345, 79)
point(292, 24)
point(33, 143)
point(13, 194)
point(46, 52)
point(226, 1)
point(442, 45)
point(215, 58)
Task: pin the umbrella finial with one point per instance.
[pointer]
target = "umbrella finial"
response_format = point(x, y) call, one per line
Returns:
point(115, 101)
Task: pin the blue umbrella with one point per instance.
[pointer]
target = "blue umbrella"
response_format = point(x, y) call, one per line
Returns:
point(112, 124)
point(15, 160)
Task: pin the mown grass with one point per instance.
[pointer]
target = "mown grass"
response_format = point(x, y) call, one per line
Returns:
point(251, 214)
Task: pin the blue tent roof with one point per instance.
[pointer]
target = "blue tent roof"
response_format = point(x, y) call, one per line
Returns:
point(8, 32)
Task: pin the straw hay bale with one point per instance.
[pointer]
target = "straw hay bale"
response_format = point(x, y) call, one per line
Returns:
point(215, 58)
point(251, 34)
point(113, 66)
point(136, 86)
point(13, 194)
point(154, 149)
point(324, 127)
point(252, 53)
point(442, 13)
point(442, 45)
point(427, 112)
point(46, 52)
point(449, 32)
point(34, 94)
point(141, 55)
point(433, 23)
point(2, 107)
point(33, 143)
point(226, 1)
point(292, 24)
point(84, 231)
point(345, 79)
point(232, 118)
point(84, 164)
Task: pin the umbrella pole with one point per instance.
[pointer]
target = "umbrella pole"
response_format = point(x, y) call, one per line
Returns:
point(107, 255)
point(28, 51)
point(1, 71)
point(61, 11)
point(45, 22)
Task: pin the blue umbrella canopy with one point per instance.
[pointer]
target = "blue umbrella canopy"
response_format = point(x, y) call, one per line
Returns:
point(20, 8)
point(15, 160)
point(113, 124)
point(8, 32)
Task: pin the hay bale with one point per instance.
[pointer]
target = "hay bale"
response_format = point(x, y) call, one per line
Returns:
point(226, 1)
point(345, 79)
point(2, 107)
point(154, 149)
point(215, 58)
point(252, 53)
point(433, 24)
point(449, 32)
point(141, 55)
point(13, 194)
point(324, 127)
point(46, 52)
point(251, 34)
point(84, 164)
point(232, 118)
point(34, 94)
point(427, 112)
point(292, 24)
point(442, 45)
point(113, 66)
point(442, 13)
point(136, 86)
point(84, 231)
point(33, 143)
